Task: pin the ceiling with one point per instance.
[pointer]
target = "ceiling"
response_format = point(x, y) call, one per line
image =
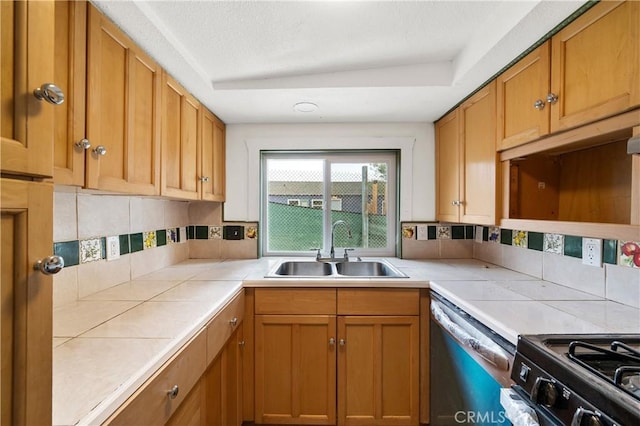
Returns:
point(359, 61)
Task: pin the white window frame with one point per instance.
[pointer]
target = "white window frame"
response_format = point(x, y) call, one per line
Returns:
point(391, 157)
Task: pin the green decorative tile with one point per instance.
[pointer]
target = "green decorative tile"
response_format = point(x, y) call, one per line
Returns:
point(161, 237)
point(573, 246)
point(191, 232)
point(536, 241)
point(431, 232)
point(202, 233)
point(124, 244)
point(457, 232)
point(506, 236)
point(485, 233)
point(178, 240)
point(103, 247)
point(468, 232)
point(610, 252)
point(69, 250)
point(136, 242)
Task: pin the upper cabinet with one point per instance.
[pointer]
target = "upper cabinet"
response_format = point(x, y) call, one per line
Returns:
point(123, 112)
point(212, 177)
point(27, 57)
point(466, 161)
point(70, 69)
point(180, 141)
point(587, 71)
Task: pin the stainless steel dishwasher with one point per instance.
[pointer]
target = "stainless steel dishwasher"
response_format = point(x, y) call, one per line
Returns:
point(469, 365)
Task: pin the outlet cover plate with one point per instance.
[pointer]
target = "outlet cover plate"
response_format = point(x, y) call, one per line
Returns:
point(113, 247)
point(592, 251)
point(422, 232)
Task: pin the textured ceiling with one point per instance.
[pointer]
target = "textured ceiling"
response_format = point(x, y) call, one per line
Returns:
point(362, 61)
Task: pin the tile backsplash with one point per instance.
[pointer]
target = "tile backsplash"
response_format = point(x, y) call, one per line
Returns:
point(552, 257)
point(151, 234)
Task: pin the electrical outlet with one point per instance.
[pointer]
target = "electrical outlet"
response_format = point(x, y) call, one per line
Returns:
point(592, 251)
point(113, 248)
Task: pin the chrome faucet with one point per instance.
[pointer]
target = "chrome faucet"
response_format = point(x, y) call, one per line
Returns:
point(333, 228)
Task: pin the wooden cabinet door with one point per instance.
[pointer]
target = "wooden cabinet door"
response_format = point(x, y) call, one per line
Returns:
point(190, 412)
point(26, 303)
point(123, 106)
point(378, 365)
point(295, 369)
point(595, 68)
point(448, 168)
point(523, 114)
point(26, 59)
point(180, 141)
point(70, 70)
point(478, 171)
point(222, 385)
point(212, 177)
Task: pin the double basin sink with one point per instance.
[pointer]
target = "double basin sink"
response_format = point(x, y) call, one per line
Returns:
point(335, 269)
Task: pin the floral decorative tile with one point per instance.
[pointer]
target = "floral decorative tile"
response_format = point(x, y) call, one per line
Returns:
point(629, 254)
point(409, 232)
point(149, 239)
point(172, 236)
point(494, 234)
point(215, 232)
point(553, 243)
point(251, 232)
point(520, 239)
point(443, 232)
point(90, 250)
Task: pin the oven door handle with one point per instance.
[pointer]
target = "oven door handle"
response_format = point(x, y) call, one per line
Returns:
point(480, 343)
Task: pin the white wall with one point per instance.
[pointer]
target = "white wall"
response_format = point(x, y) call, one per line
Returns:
point(416, 141)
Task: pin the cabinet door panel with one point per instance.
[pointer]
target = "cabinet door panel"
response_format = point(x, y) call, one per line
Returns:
point(180, 141)
point(213, 157)
point(122, 111)
point(70, 71)
point(26, 54)
point(518, 89)
point(295, 369)
point(26, 303)
point(447, 168)
point(378, 382)
point(594, 65)
point(478, 170)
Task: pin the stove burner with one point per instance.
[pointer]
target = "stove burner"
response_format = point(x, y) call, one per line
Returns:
point(619, 368)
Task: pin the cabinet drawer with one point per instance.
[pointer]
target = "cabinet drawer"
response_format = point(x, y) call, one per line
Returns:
point(222, 326)
point(378, 301)
point(151, 403)
point(295, 301)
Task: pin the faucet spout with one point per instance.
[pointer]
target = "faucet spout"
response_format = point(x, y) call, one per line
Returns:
point(333, 229)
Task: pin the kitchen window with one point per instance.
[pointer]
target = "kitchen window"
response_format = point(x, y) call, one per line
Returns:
point(352, 193)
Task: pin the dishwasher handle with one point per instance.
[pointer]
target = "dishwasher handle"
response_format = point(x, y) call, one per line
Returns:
point(478, 342)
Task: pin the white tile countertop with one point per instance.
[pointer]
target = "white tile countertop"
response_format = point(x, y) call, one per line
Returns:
point(109, 343)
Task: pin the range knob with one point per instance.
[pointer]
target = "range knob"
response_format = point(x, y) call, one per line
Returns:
point(584, 417)
point(544, 392)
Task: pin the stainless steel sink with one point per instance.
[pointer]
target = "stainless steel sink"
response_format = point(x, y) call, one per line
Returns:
point(334, 269)
point(304, 269)
point(368, 269)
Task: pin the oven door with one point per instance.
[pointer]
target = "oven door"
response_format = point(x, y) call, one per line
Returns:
point(469, 366)
point(521, 411)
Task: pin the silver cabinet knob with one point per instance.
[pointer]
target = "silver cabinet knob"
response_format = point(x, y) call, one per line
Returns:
point(204, 179)
point(332, 341)
point(241, 343)
point(233, 322)
point(552, 98)
point(100, 150)
point(342, 342)
point(456, 202)
point(49, 92)
point(539, 104)
point(83, 144)
point(49, 265)
point(173, 392)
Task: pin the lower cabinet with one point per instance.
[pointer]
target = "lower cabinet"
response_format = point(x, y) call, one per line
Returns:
point(353, 360)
